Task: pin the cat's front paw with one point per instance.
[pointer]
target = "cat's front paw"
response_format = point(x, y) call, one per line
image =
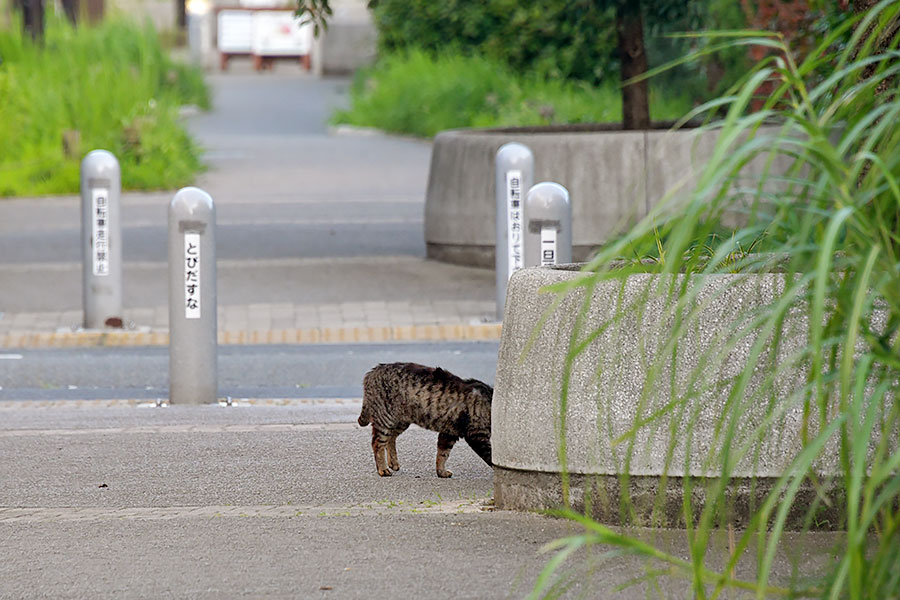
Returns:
point(445, 474)
point(385, 472)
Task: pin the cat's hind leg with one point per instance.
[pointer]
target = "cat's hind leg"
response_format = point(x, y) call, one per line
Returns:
point(380, 444)
point(481, 444)
point(393, 461)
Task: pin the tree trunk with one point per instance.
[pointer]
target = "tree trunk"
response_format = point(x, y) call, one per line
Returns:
point(181, 13)
point(33, 19)
point(888, 85)
point(95, 11)
point(70, 7)
point(635, 97)
point(9, 13)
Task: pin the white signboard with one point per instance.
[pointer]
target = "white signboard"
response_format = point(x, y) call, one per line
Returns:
point(235, 31)
point(279, 33)
point(100, 231)
point(514, 221)
point(548, 245)
point(264, 3)
point(191, 275)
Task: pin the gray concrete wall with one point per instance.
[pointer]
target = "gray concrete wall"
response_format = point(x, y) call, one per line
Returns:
point(614, 179)
point(459, 205)
point(349, 41)
point(611, 388)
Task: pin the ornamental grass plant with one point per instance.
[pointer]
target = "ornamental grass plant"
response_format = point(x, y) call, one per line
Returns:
point(829, 224)
point(110, 86)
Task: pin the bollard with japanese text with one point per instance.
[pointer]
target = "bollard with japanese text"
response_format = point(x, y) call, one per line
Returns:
point(101, 240)
point(548, 230)
point(192, 298)
point(514, 174)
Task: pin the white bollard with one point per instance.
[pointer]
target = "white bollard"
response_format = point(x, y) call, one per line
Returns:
point(101, 240)
point(193, 345)
point(548, 237)
point(514, 174)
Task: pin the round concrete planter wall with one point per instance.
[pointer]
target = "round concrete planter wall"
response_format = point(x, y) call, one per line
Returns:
point(614, 177)
point(608, 391)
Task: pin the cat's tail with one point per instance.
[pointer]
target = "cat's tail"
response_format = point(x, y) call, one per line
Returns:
point(365, 415)
point(364, 418)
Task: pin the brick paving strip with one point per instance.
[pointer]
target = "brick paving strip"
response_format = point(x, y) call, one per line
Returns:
point(10, 515)
point(282, 323)
point(348, 322)
point(326, 335)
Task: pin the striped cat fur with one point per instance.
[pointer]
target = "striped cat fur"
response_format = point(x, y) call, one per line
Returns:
point(396, 395)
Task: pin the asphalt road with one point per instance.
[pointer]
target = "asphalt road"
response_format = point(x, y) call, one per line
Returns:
point(283, 186)
point(339, 230)
point(319, 371)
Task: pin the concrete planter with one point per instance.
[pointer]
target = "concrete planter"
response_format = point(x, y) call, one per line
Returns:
point(614, 178)
point(608, 393)
point(459, 203)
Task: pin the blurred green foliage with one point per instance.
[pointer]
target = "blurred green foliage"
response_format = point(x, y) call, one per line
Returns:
point(572, 39)
point(420, 93)
point(707, 76)
point(822, 347)
point(111, 86)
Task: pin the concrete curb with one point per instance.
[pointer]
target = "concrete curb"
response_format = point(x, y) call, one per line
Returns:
point(396, 333)
point(88, 404)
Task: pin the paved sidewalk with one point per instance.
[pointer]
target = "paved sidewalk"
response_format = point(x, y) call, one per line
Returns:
point(265, 501)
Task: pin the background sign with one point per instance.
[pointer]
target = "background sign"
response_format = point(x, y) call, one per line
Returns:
point(514, 220)
point(548, 246)
point(100, 231)
point(191, 275)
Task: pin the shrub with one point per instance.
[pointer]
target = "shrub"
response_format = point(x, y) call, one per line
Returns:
point(832, 226)
point(111, 87)
point(571, 40)
point(420, 94)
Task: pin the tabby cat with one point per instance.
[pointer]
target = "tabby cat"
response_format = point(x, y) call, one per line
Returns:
point(398, 394)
